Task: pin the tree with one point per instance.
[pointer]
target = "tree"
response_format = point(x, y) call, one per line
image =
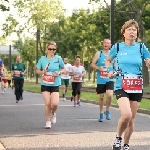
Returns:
point(3, 7)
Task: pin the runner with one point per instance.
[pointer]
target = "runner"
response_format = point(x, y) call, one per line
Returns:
point(65, 78)
point(78, 95)
point(104, 84)
point(129, 83)
point(9, 75)
point(1, 71)
point(4, 80)
point(77, 72)
point(18, 69)
point(50, 67)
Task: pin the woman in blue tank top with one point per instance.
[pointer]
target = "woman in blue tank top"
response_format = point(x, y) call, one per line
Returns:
point(129, 55)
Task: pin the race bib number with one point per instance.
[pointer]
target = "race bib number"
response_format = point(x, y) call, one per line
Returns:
point(76, 78)
point(132, 83)
point(49, 78)
point(104, 73)
point(17, 73)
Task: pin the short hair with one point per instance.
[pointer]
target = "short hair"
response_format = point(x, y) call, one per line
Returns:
point(128, 24)
point(77, 57)
point(52, 43)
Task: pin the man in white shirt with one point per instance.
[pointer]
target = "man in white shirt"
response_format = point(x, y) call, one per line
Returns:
point(65, 78)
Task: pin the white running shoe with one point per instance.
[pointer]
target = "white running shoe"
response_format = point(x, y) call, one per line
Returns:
point(3, 92)
point(4, 89)
point(48, 125)
point(64, 99)
point(53, 118)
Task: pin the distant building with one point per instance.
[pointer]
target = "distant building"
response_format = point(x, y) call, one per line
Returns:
point(4, 49)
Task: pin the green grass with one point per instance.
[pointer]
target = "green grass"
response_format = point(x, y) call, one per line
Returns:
point(145, 103)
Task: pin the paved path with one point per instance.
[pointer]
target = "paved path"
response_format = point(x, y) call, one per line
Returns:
point(22, 126)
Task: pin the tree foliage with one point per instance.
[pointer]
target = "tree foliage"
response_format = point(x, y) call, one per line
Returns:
point(4, 7)
point(81, 33)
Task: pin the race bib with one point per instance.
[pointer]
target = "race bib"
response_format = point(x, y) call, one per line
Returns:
point(132, 83)
point(49, 78)
point(17, 73)
point(104, 73)
point(76, 78)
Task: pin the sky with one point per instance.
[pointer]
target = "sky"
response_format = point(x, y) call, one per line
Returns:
point(69, 5)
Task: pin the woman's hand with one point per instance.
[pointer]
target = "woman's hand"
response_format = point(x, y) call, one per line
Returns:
point(110, 74)
point(147, 62)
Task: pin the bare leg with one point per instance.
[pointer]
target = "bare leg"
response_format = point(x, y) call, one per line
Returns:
point(101, 102)
point(109, 94)
point(129, 130)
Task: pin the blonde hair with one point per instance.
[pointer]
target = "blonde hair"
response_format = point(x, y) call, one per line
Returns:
point(52, 43)
point(128, 24)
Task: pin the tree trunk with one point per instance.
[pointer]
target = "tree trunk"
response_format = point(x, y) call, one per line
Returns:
point(89, 72)
point(144, 68)
point(94, 75)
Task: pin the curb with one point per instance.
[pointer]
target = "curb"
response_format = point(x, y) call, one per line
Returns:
point(140, 110)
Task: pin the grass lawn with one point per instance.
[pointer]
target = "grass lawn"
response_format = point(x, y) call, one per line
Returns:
point(145, 104)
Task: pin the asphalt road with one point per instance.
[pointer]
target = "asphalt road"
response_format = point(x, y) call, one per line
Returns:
point(22, 126)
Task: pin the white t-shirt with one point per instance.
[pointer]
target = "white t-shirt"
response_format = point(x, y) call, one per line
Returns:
point(67, 67)
point(78, 71)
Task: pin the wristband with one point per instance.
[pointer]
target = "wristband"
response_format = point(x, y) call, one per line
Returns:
point(110, 69)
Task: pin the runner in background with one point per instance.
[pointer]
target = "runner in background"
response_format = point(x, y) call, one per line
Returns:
point(4, 80)
point(18, 70)
point(77, 72)
point(1, 69)
point(65, 78)
point(78, 95)
point(9, 75)
point(105, 85)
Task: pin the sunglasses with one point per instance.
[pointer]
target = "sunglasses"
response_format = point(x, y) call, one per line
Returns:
point(50, 49)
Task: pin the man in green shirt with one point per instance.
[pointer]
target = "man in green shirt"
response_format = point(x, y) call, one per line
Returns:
point(18, 71)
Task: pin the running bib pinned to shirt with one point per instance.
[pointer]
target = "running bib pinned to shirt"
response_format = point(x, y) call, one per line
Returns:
point(132, 83)
point(104, 73)
point(49, 78)
point(17, 73)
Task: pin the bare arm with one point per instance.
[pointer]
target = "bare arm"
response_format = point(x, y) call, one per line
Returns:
point(71, 73)
point(40, 72)
point(95, 58)
point(108, 62)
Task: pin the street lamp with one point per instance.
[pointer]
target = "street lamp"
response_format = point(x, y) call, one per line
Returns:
point(36, 54)
point(112, 8)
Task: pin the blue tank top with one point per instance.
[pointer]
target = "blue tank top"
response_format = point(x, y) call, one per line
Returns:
point(55, 65)
point(101, 62)
point(129, 59)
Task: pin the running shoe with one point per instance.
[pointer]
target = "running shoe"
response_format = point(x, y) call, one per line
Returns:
point(79, 103)
point(53, 118)
point(126, 147)
point(75, 104)
point(101, 117)
point(108, 116)
point(117, 143)
point(48, 125)
point(71, 98)
point(21, 98)
point(64, 99)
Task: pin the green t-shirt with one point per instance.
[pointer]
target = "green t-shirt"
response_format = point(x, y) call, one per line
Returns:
point(17, 68)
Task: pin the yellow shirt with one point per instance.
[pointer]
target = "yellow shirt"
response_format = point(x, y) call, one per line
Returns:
point(9, 76)
point(5, 74)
